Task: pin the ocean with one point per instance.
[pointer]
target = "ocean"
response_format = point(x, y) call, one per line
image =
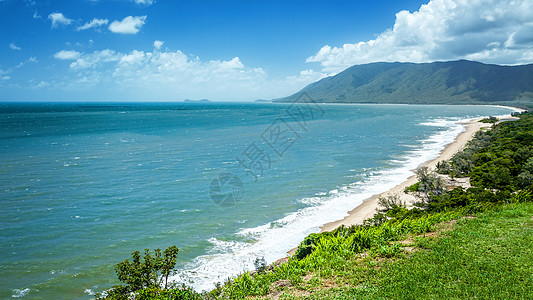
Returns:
point(83, 185)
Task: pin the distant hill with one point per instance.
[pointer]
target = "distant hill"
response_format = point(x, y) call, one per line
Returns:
point(453, 82)
point(196, 101)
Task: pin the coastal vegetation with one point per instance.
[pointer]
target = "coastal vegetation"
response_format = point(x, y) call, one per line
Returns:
point(456, 242)
point(146, 277)
point(450, 82)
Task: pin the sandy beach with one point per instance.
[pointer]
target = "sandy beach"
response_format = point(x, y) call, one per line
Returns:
point(367, 209)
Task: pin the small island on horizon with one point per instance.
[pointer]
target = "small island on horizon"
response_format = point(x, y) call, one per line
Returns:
point(197, 101)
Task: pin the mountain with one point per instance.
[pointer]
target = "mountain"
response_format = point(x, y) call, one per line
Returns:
point(453, 82)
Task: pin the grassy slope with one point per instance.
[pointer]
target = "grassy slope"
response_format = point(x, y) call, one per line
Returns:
point(489, 257)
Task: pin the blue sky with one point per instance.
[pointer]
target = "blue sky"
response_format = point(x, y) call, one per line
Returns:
point(143, 50)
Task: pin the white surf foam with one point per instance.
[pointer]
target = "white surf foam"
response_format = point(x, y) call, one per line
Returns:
point(19, 293)
point(271, 241)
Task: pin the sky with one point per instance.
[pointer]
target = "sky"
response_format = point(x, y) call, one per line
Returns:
point(237, 50)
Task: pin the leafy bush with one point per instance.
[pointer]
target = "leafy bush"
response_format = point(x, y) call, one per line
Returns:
point(306, 246)
point(390, 202)
point(490, 119)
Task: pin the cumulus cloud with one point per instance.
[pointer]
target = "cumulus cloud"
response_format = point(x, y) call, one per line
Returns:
point(95, 59)
point(58, 19)
point(67, 55)
point(14, 47)
point(128, 25)
point(158, 44)
point(143, 2)
point(491, 31)
point(171, 75)
point(95, 23)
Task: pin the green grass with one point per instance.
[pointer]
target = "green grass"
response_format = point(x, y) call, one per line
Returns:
point(487, 257)
point(490, 257)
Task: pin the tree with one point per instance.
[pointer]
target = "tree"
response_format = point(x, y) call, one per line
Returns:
point(429, 183)
point(390, 202)
point(150, 272)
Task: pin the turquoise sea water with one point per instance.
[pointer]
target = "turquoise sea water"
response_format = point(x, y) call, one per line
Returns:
point(84, 185)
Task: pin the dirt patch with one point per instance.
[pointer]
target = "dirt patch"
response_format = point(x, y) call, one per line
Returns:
point(277, 287)
point(409, 249)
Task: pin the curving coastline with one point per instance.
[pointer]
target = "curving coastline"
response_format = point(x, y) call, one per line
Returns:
point(368, 207)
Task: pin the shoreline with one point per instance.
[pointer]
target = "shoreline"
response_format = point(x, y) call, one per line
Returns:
point(368, 207)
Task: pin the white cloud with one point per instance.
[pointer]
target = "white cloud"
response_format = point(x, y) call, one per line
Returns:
point(14, 47)
point(67, 55)
point(95, 59)
point(158, 44)
point(32, 59)
point(58, 18)
point(172, 75)
point(490, 31)
point(307, 76)
point(41, 84)
point(143, 2)
point(93, 24)
point(129, 25)
point(3, 74)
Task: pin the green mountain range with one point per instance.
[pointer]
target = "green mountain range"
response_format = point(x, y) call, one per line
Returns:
point(452, 82)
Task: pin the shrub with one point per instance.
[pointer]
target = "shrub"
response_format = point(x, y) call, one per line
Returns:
point(390, 202)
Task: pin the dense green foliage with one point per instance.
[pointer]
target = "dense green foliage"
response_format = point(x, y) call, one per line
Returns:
point(499, 163)
point(490, 119)
point(453, 82)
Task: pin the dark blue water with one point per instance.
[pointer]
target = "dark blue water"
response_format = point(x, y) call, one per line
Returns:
point(84, 185)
